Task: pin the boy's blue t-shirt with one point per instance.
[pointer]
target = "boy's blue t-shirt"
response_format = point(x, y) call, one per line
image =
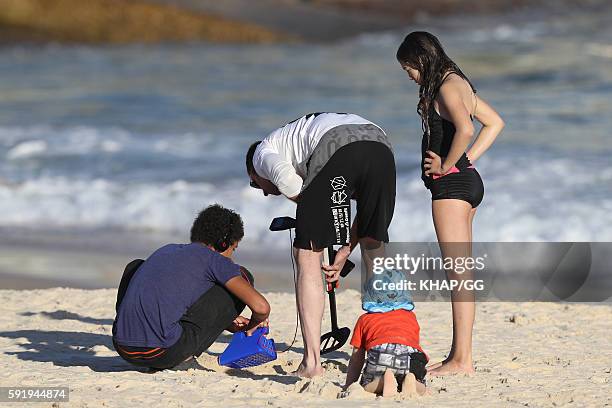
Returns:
point(162, 290)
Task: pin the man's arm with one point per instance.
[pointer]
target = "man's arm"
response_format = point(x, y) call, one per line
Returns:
point(281, 173)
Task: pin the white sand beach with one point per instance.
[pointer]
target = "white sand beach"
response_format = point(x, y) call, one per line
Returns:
point(527, 354)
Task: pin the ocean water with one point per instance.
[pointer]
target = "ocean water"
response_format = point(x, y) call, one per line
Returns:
point(139, 138)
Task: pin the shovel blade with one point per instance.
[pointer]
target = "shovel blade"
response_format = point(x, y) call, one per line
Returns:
point(334, 340)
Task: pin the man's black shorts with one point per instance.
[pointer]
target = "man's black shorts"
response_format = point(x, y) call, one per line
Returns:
point(362, 170)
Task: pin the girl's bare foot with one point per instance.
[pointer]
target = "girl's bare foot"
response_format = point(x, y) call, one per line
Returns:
point(389, 384)
point(452, 367)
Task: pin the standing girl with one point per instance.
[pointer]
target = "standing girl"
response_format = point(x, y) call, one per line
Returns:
point(448, 104)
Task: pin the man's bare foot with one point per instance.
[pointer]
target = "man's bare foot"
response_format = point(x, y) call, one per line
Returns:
point(389, 384)
point(435, 365)
point(309, 372)
point(452, 367)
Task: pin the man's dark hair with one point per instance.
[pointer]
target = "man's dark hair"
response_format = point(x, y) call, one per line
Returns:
point(217, 224)
point(249, 157)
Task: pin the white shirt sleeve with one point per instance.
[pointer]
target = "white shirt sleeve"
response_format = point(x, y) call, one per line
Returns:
point(274, 167)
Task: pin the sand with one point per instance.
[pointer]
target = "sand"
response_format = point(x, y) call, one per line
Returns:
point(530, 354)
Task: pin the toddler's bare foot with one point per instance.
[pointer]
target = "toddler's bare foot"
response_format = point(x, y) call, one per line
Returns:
point(389, 384)
point(409, 385)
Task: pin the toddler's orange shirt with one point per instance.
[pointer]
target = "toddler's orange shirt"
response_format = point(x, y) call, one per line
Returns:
point(399, 326)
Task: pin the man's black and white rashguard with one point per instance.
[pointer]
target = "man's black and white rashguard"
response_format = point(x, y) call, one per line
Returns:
point(326, 159)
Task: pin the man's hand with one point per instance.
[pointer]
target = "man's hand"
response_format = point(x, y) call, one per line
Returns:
point(332, 272)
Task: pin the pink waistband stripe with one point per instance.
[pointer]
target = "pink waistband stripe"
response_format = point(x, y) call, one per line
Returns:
point(453, 169)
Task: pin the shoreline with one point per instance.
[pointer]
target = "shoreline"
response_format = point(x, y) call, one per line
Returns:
point(95, 259)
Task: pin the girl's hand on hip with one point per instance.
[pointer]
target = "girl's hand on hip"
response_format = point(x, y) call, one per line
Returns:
point(433, 164)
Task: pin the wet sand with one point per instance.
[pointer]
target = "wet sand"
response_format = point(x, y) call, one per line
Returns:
point(96, 259)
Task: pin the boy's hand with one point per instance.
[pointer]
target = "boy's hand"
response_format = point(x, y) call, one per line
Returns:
point(355, 366)
point(265, 323)
point(239, 324)
point(241, 321)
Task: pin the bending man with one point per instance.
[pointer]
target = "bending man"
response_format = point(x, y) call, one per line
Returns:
point(322, 161)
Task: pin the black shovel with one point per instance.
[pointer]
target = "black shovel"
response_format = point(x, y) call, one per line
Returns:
point(335, 339)
point(338, 336)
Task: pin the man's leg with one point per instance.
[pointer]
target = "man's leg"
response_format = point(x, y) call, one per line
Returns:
point(310, 302)
point(370, 249)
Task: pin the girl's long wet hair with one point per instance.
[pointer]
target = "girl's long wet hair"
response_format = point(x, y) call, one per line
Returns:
point(422, 51)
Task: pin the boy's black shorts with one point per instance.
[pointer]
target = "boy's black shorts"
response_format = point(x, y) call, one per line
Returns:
point(361, 170)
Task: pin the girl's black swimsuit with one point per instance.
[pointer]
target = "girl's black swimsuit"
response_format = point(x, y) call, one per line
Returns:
point(462, 182)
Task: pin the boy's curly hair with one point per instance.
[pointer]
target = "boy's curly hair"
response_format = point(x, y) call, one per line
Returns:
point(215, 224)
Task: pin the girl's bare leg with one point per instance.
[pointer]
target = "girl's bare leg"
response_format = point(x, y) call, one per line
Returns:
point(453, 224)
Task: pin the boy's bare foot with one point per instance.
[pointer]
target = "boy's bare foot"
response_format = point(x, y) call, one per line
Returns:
point(452, 367)
point(409, 385)
point(308, 372)
point(389, 384)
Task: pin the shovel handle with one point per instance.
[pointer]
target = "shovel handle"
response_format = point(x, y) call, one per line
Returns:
point(331, 286)
point(328, 257)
